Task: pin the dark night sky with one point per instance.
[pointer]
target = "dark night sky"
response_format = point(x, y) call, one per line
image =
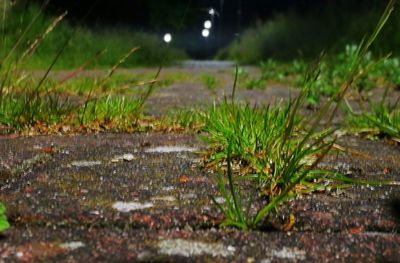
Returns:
point(131, 12)
point(167, 14)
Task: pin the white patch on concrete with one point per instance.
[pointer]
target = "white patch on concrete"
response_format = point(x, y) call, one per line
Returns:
point(220, 200)
point(286, 253)
point(188, 248)
point(131, 206)
point(167, 198)
point(189, 196)
point(170, 149)
point(231, 248)
point(72, 245)
point(85, 163)
point(168, 188)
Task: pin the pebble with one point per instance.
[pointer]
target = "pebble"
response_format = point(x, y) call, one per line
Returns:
point(128, 157)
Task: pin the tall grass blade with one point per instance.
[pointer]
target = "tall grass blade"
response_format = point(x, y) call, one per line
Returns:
point(33, 46)
point(235, 82)
point(26, 30)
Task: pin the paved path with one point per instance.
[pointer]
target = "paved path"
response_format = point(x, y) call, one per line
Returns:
point(143, 197)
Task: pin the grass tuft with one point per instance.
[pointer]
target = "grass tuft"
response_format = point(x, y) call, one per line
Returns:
point(381, 118)
point(268, 147)
point(4, 225)
point(271, 151)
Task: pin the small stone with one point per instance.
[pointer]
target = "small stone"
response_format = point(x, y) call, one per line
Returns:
point(128, 157)
point(94, 212)
point(231, 248)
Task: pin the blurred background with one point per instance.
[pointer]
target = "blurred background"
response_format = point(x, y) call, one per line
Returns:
point(246, 31)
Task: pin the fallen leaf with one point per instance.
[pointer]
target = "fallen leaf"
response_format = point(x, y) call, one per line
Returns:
point(267, 170)
point(289, 225)
point(48, 150)
point(356, 230)
point(386, 171)
point(183, 179)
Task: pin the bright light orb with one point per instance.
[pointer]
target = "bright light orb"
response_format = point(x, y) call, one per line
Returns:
point(167, 38)
point(205, 32)
point(211, 11)
point(207, 24)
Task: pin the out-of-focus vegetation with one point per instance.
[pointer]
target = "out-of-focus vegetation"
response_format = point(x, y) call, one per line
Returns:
point(382, 72)
point(84, 43)
point(376, 119)
point(303, 35)
point(4, 225)
point(30, 100)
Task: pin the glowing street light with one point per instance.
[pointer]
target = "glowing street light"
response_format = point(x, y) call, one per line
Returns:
point(207, 24)
point(205, 33)
point(167, 38)
point(212, 11)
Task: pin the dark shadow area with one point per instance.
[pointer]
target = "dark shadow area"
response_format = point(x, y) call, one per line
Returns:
point(395, 207)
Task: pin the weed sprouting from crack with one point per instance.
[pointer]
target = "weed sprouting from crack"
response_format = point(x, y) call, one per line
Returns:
point(269, 148)
point(278, 154)
point(381, 118)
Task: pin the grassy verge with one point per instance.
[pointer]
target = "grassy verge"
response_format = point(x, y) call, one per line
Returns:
point(382, 72)
point(29, 100)
point(83, 44)
point(303, 34)
point(38, 103)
